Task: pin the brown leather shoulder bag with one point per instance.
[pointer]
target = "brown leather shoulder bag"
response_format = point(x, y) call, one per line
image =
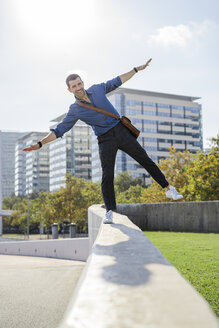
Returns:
point(124, 120)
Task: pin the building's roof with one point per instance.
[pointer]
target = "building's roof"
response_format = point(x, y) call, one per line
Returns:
point(33, 133)
point(153, 94)
point(11, 132)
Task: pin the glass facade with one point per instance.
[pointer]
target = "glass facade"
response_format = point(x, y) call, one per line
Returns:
point(7, 162)
point(71, 154)
point(20, 169)
point(31, 168)
point(164, 121)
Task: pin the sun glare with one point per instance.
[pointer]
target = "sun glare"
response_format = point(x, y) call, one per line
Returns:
point(54, 20)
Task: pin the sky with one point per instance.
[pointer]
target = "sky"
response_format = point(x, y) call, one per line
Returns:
point(43, 41)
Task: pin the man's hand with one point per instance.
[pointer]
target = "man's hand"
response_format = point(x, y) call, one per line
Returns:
point(140, 68)
point(50, 137)
point(125, 77)
point(32, 147)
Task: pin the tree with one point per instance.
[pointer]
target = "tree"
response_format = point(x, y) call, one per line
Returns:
point(196, 176)
point(11, 202)
point(19, 217)
point(131, 195)
point(72, 198)
point(203, 175)
point(124, 180)
point(175, 171)
point(215, 143)
point(91, 195)
point(72, 201)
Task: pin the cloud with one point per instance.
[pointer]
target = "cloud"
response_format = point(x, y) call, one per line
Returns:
point(180, 35)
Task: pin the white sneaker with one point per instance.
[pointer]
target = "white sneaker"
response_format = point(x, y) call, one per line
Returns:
point(173, 193)
point(109, 217)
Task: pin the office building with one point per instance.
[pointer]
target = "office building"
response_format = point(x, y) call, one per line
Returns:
point(164, 120)
point(7, 165)
point(7, 162)
point(31, 168)
point(70, 154)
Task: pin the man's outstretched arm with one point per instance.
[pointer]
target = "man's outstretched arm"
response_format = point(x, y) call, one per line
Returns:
point(125, 77)
point(50, 137)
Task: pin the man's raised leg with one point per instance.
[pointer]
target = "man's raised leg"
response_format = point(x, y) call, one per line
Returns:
point(131, 146)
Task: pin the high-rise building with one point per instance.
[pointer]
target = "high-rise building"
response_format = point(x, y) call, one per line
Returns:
point(7, 162)
point(164, 120)
point(70, 154)
point(31, 168)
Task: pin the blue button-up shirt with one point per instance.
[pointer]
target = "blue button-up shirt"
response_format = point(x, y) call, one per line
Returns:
point(99, 122)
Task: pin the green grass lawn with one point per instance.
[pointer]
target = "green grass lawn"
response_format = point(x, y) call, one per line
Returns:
point(196, 257)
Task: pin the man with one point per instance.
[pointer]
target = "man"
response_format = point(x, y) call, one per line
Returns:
point(111, 134)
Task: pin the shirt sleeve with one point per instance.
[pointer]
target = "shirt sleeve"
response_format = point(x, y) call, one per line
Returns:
point(112, 84)
point(67, 123)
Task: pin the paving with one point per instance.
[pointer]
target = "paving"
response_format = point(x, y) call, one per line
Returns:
point(34, 291)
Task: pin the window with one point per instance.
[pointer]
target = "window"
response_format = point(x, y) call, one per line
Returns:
point(178, 141)
point(192, 109)
point(150, 130)
point(179, 133)
point(136, 120)
point(150, 139)
point(149, 122)
point(132, 102)
point(177, 115)
point(179, 124)
point(164, 123)
point(133, 111)
point(150, 104)
point(177, 107)
point(163, 106)
point(151, 148)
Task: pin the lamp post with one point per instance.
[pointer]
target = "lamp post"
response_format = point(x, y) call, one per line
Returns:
point(144, 179)
point(28, 210)
point(28, 217)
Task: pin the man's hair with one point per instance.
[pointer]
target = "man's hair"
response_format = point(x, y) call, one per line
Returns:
point(71, 77)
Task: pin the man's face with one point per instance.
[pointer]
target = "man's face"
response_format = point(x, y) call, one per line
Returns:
point(77, 87)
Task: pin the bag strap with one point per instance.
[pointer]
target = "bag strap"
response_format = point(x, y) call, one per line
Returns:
point(97, 109)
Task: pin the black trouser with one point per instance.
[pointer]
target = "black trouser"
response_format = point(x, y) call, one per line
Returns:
point(116, 138)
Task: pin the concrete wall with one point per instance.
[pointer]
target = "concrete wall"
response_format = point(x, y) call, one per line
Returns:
point(177, 216)
point(128, 283)
point(71, 249)
point(95, 218)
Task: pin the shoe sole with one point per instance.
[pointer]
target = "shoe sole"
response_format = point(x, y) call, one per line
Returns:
point(179, 197)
